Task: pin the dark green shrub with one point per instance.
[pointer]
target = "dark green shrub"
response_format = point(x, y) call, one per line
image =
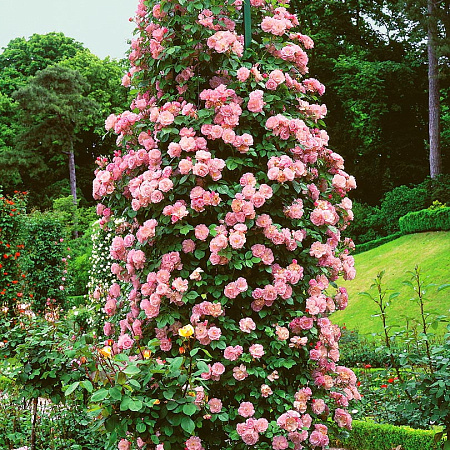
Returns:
point(426, 220)
point(373, 436)
point(377, 242)
point(365, 226)
point(399, 202)
point(79, 264)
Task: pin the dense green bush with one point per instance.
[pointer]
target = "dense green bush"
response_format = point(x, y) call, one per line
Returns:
point(46, 261)
point(426, 220)
point(399, 202)
point(373, 436)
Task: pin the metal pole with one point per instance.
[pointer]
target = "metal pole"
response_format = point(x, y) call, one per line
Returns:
point(247, 24)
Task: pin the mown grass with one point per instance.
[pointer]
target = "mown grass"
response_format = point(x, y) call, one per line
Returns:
point(430, 251)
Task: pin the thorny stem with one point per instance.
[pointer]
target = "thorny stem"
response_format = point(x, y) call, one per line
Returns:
point(382, 306)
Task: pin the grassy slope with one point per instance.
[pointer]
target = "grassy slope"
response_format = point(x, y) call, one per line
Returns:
point(431, 251)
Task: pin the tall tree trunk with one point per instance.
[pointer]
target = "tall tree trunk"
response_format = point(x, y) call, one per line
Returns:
point(73, 187)
point(433, 93)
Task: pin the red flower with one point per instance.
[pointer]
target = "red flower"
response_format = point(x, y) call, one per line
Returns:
point(391, 380)
point(367, 366)
point(384, 385)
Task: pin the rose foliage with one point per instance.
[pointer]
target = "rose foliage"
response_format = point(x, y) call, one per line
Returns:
point(230, 209)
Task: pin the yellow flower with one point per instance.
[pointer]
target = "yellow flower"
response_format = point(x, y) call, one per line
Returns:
point(106, 351)
point(186, 331)
point(147, 354)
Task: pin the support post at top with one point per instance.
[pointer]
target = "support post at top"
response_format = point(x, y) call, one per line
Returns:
point(247, 24)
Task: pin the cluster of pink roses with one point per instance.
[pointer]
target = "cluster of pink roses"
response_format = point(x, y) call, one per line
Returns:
point(280, 22)
point(250, 430)
point(226, 41)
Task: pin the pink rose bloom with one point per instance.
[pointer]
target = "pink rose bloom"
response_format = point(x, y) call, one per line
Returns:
point(185, 166)
point(124, 445)
point(174, 150)
point(110, 306)
point(290, 421)
point(319, 436)
point(256, 102)
point(188, 246)
point(194, 443)
point(246, 409)
point(242, 74)
point(318, 406)
point(217, 369)
point(228, 136)
point(282, 333)
point(343, 418)
point(200, 169)
point(125, 342)
point(237, 240)
point(240, 372)
point(241, 284)
point(277, 76)
point(180, 285)
point(166, 118)
point(214, 333)
point(256, 350)
point(201, 232)
point(231, 291)
point(215, 405)
point(233, 353)
point(271, 84)
point(247, 325)
point(265, 390)
point(280, 443)
point(156, 197)
point(261, 425)
point(107, 329)
point(165, 185)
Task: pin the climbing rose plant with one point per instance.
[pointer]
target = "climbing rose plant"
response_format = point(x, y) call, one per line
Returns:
point(230, 209)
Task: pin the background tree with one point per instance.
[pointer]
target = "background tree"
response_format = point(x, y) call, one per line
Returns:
point(22, 169)
point(53, 111)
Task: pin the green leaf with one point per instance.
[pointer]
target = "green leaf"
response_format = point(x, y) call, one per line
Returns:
point(189, 409)
point(443, 286)
point(71, 388)
point(135, 405)
point(87, 385)
point(99, 395)
point(141, 427)
point(188, 425)
point(176, 363)
point(131, 370)
point(115, 393)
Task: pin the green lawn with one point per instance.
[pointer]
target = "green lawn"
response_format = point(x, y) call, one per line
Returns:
point(431, 251)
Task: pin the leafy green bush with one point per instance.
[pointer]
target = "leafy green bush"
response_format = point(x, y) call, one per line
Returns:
point(399, 202)
point(46, 260)
point(59, 427)
point(373, 436)
point(374, 222)
point(358, 351)
point(426, 220)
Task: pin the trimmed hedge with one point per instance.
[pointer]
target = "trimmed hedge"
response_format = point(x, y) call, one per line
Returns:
point(375, 436)
point(376, 242)
point(426, 220)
